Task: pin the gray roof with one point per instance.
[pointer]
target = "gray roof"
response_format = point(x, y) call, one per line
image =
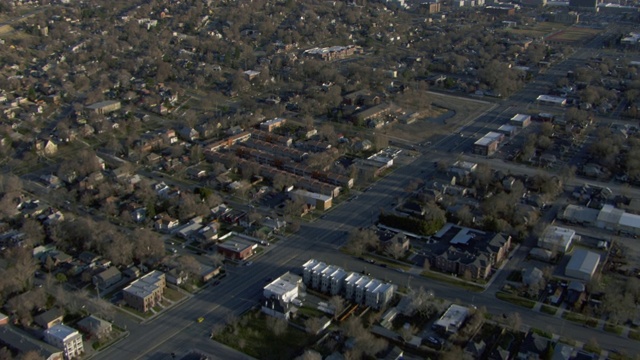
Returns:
point(583, 261)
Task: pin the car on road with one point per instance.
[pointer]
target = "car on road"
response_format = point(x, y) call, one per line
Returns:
point(200, 319)
point(248, 263)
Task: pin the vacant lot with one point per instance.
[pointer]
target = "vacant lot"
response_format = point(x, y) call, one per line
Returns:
point(538, 30)
point(463, 111)
point(574, 35)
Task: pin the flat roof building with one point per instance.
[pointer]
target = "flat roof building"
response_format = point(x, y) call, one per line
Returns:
point(557, 238)
point(23, 343)
point(488, 144)
point(104, 107)
point(520, 120)
point(285, 288)
point(65, 338)
point(582, 265)
point(320, 201)
point(452, 319)
point(237, 247)
point(551, 100)
point(146, 292)
point(357, 287)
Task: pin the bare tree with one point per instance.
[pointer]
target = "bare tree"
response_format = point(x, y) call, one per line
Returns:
point(337, 303)
point(277, 326)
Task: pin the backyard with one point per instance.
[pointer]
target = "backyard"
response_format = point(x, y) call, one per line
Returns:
point(253, 336)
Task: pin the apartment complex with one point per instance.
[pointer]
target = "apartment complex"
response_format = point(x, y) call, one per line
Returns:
point(334, 280)
point(146, 292)
point(464, 251)
point(65, 338)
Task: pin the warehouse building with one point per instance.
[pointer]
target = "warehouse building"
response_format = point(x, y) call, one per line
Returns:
point(583, 264)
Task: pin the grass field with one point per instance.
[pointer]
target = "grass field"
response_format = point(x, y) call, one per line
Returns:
point(515, 299)
point(574, 34)
point(538, 30)
point(254, 338)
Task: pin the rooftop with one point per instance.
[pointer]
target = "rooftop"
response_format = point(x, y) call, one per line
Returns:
point(489, 138)
point(453, 317)
point(236, 243)
point(520, 117)
point(62, 332)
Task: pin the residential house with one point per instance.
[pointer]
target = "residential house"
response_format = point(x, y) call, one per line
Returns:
point(95, 326)
point(107, 278)
point(65, 338)
point(534, 346)
point(176, 276)
point(49, 318)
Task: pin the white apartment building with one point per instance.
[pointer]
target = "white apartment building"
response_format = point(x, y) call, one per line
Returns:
point(285, 288)
point(65, 338)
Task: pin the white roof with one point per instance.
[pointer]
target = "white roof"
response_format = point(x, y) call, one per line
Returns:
point(583, 261)
point(61, 332)
point(609, 214)
point(507, 127)
point(490, 137)
point(630, 220)
point(520, 117)
point(282, 285)
point(559, 235)
point(453, 317)
point(310, 195)
point(552, 99)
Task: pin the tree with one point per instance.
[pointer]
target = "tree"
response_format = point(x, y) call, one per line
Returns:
point(277, 326)
point(309, 355)
point(361, 240)
point(189, 264)
point(422, 303)
point(337, 303)
point(34, 233)
point(147, 244)
point(313, 325)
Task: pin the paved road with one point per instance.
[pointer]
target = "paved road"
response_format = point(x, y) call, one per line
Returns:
point(178, 332)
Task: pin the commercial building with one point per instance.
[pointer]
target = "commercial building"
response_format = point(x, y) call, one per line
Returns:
point(319, 201)
point(488, 144)
point(104, 107)
point(237, 247)
point(551, 100)
point(582, 265)
point(520, 120)
point(271, 124)
point(583, 5)
point(284, 289)
point(608, 217)
point(332, 53)
point(144, 293)
point(556, 238)
point(452, 319)
point(65, 338)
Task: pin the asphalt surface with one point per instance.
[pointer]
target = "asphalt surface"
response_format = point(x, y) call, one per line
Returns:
point(177, 331)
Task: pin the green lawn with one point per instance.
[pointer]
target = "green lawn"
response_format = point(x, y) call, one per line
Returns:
point(634, 335)
point(515, 299)
point(255, 339)
point(571, 316)
point(616, 329)
point(548, 309)
point(451, 280)
point(173, 295)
